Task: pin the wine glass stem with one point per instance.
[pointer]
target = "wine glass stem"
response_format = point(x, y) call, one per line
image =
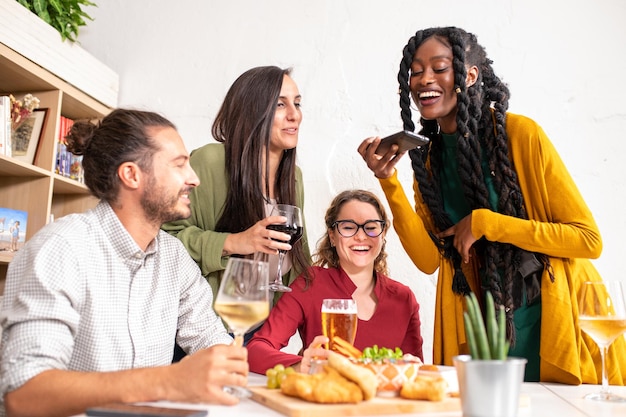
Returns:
point(605, 379)
point(237, 391)
point(279, 270)
point(238, 339)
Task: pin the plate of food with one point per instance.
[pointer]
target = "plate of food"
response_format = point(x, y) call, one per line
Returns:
point(346, 387)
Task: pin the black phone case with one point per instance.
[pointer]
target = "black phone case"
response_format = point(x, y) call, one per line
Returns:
point(133, 410)
point(406, 140)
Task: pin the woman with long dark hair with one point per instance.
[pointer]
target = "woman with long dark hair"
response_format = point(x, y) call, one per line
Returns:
point(495, 210)
point(241, 178)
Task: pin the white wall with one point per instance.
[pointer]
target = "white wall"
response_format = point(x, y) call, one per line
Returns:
point(563, 61)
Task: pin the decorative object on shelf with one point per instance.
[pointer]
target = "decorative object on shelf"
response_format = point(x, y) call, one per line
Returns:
point(65, 16)
point(12, 229)
point(25, 139)
point(488, 372)
point(5, 125)
point(76, 168)
point(21, 109)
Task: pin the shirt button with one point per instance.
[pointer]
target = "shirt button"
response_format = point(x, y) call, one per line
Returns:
point(138, 255)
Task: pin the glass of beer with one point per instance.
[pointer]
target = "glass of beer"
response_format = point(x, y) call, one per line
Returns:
point(339, 318)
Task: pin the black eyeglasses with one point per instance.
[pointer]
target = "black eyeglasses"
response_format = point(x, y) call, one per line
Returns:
point(349, 228)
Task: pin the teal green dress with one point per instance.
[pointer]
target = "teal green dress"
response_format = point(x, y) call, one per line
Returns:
point(527, 318)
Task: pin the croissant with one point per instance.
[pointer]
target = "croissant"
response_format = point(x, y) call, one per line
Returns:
point(328, 387)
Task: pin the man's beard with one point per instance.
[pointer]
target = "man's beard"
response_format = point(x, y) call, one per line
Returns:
point(160, 208)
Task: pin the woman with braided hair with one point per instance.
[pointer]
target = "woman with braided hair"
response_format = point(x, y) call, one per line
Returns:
point(495, 210)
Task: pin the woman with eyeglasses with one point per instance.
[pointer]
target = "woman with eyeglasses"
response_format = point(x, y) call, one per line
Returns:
point(350, 262)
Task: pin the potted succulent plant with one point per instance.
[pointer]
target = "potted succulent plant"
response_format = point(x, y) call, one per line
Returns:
point(489, 381)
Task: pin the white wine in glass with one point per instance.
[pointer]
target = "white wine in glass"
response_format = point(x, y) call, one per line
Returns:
point(243, 297)
point(243, 302)
point(602, 315)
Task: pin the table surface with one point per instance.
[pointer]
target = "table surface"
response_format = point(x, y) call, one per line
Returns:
point(546, 400)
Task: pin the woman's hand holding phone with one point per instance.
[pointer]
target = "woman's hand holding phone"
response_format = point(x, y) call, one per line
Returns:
point(376, 152)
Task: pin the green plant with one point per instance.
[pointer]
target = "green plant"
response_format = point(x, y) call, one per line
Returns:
point(485, 340)
point(65, 16)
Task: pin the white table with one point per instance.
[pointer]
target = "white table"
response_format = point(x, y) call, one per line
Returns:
point(573, 395)
point(546, 400)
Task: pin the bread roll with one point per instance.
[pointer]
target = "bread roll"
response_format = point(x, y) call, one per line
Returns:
point(424, 387)
point(328, 387)
point(362, 376)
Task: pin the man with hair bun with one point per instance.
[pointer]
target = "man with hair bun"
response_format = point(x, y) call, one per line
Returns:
point(95, 301)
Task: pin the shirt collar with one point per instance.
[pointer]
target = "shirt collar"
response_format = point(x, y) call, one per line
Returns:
point(122, 242)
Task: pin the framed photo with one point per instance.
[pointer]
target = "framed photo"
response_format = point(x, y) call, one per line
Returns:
point(12, 229)
point(26, 137)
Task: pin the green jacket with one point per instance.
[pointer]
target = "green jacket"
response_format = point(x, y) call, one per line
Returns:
point(198, 233)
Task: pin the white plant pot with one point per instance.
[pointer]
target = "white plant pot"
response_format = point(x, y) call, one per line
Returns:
point(489, 388)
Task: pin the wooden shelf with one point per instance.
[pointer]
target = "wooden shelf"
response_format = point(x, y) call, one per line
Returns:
point(15, 168)
point(36, 188)
point(6, 256)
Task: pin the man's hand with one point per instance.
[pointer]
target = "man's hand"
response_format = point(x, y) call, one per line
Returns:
point(202, 376)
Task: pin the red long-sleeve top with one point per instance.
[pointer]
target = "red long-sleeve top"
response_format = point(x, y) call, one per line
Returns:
point(395, 322)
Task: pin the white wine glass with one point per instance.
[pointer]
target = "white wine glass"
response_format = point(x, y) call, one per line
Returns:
point(293, 227)
point(243, 298)
point(602, 315)
point(243, 302)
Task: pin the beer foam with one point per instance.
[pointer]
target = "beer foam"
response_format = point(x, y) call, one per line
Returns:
point(340, 310)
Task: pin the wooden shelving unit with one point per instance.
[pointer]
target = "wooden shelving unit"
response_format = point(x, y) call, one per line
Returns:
point(35, 188)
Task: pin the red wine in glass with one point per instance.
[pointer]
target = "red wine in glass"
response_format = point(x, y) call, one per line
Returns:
point(294, 231)
point(293, 227)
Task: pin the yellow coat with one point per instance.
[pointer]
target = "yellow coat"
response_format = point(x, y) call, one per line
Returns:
point(560, 225)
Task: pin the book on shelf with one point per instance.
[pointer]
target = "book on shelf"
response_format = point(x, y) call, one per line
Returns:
point(67, 164)
point(12, 229)
point(5, 126)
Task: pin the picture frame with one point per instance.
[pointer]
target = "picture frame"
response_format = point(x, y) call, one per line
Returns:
point(25, 139)
point(13, 225)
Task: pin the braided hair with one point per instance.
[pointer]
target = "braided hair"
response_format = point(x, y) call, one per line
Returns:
point(481, 133)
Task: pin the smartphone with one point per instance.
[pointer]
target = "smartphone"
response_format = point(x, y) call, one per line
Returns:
point(134, 410)
point(405, 139)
